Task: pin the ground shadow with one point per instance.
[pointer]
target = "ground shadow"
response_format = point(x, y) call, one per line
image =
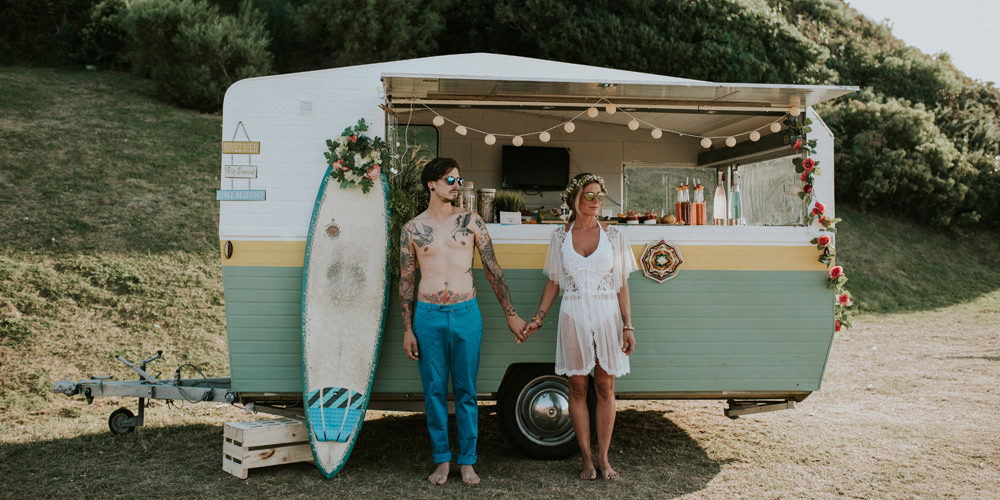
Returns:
point(390, 459)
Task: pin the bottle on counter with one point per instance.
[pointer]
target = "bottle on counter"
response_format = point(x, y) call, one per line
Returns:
point(486, 204)
point(719, 206)
point(467, 196)
point(735, 207)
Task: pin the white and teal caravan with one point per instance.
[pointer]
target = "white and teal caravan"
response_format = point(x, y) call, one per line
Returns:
point(746, 318)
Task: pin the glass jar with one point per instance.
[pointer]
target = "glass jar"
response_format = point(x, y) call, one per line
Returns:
point(486, 204)
point(467, 196)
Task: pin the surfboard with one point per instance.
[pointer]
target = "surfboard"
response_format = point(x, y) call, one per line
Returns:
point(345, 294)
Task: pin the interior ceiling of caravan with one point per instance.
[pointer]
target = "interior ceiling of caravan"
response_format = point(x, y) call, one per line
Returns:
point(690, 107)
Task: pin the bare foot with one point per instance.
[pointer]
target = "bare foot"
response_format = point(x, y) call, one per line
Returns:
point(469, 475)
point(608, 473)
point(440, 474)
point(588, 473)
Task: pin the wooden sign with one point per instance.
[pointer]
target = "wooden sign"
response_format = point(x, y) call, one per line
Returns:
point(240, 148)
point(240, 195)
point(241, 172)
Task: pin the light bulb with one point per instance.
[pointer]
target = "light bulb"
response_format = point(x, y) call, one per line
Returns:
point(490, 139)
point(775, 127)
point(438, 121)
point(544, 137)
point(461, 130)
point(633, 124)
point(610, 109)
point(517, 140)
point(706, 143)
point(730, 141)
point(656, 133)
point(592, 112)
point(755, 136)
point(569, 127)
point(795, 111)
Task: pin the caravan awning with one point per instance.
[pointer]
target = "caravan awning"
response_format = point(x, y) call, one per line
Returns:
point(664, 94)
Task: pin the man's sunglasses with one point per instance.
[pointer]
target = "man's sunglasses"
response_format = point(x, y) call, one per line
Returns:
point(591, 196)
point(451, 180)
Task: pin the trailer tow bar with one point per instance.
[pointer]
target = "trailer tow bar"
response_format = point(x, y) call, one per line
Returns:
point(122, 420)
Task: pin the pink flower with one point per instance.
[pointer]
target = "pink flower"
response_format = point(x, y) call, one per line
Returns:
point(798, 144)
point(824, 241)
point(808, 188)
point(372, 172)
point(836, 272)
point(819, 209)
point(353, 138)
point(808, 164)
point(844, 299)
point(836, 325)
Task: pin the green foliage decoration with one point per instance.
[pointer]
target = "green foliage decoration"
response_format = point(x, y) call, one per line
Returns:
point(354, 158)
point(193, 52)
point(406, 198)
point(508, 201)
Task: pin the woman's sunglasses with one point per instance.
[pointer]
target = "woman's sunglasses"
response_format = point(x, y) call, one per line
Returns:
point(451, 180)
point(591, 196)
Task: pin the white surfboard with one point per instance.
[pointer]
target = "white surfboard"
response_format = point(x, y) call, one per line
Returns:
point(345, 285)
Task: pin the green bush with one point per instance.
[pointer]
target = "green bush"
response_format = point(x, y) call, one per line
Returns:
point(102, 39)
point(193, 52)
point(40, 31)
point(891, 156)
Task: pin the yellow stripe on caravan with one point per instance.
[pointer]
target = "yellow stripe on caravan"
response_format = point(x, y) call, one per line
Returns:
point(696, 257)
point(264, 253)
point(532, 256)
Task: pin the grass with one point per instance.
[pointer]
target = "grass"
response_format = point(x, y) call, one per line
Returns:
point(108, 247)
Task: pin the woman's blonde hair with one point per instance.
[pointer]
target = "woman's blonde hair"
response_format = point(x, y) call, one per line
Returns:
point(573, 192)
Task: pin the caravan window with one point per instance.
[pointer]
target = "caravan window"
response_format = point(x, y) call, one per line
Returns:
point(766, 188)
point(422, 138)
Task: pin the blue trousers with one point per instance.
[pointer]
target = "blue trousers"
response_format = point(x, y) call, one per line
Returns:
point(449, 338)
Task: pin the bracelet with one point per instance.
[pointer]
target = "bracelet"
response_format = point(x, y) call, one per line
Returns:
point(537, 321)
point(628, 328)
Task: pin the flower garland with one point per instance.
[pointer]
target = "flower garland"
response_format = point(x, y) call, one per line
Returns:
point(354, 158)
point(582, 181)
point(808, 169)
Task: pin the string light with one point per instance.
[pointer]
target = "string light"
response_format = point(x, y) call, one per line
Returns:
point(634, 123)
point(795, 111)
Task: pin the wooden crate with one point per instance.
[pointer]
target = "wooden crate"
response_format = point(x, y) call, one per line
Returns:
point(262, 443)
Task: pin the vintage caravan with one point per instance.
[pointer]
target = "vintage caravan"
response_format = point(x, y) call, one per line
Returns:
point(746, 315)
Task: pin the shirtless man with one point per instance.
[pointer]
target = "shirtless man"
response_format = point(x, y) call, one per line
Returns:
point(442, 328)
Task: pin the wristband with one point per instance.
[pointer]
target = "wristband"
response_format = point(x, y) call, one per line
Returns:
point(628, 328)
point(537, 321)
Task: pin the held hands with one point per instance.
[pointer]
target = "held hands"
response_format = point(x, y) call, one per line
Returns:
point(529, 328)
point(517, 327)
point(410, 346)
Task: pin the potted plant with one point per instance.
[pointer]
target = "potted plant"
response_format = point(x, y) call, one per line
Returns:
point(509, 204)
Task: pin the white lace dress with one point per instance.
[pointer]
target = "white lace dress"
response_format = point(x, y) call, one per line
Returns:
point(590, 321)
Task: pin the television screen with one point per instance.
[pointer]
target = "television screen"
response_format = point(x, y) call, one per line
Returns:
point(534, 168)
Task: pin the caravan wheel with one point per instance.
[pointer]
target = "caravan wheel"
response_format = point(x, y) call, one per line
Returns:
point(534, 412)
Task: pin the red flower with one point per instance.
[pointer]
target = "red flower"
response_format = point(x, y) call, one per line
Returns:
point(372, 172)
point(805, 175)
point(819, 209)
point(844, 299)
point(836, 272)
point(836, 325)
point(798, 143)
point(824, 241)
point(808, 188)
point(353, 138)
point(808, 164)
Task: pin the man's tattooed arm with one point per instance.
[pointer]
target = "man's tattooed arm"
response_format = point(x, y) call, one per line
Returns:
point(407, 274)
point(493, 272)
point(421, 234)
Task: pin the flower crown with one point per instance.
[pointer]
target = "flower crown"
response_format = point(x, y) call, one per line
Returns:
point(582, 181)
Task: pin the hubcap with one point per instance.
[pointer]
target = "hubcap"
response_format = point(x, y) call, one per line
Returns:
point(543, 411)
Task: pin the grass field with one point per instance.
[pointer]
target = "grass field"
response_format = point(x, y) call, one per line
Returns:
point(108, 246)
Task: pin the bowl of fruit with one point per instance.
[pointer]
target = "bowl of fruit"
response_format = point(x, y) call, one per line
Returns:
point(632, 217)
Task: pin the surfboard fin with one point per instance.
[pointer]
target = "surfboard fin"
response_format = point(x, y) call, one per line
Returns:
point(334, 413)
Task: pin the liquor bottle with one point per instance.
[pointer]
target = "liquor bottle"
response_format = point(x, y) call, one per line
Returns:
point(719, 205)
point(735, 208)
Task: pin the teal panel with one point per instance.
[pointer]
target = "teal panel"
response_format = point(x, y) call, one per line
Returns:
point(263, 327)
point(701, 331)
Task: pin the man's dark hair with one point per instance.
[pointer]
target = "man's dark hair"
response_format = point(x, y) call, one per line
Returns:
point(436, 168)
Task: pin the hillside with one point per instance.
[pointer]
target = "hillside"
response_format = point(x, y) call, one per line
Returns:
point(109, 237)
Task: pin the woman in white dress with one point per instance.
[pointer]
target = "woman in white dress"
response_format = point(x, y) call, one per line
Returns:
point(590, 263)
